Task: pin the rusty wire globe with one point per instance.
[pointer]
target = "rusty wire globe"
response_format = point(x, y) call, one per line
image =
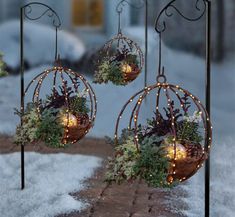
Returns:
point(126, 54)
point(185, 157)
point(65, 85)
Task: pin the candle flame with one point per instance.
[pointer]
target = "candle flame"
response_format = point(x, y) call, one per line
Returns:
point(126, 68)
point(69, 120)
point(176, 151)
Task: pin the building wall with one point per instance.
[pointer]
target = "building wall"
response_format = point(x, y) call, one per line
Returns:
point(9, 9)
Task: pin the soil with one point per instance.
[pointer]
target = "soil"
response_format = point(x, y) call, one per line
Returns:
point(127, 200)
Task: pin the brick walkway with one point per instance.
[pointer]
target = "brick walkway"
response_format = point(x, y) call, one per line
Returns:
point(126, 200)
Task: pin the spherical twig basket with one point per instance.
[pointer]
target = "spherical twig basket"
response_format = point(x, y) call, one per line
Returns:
point(118, 50)
point(185, 157)
point(71, 84)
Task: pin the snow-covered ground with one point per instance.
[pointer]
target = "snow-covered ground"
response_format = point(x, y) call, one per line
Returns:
point(188, 71)
point(39, 44)
point(49, 178)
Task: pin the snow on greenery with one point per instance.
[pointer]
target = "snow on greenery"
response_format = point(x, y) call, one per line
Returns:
point(49, 180)
point(39, 43)
point(3, 72)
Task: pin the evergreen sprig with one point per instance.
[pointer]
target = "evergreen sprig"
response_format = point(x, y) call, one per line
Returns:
point(121, 168)
point(111, 69)
point(189, 131)
point(153, 165)
point(27, 132)
point(3, 71)
point(79, 105)
point(50, 130)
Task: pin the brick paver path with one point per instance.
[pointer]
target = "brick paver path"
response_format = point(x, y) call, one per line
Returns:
point(129, 200)
point(126, 200)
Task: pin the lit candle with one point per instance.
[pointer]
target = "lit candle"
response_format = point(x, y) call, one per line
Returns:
point(126, 68)
point(178, 152)
point(69, 120)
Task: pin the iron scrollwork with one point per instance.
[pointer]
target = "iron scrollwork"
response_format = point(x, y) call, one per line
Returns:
point(140, 4)
point(28, 13)
point(160, 23)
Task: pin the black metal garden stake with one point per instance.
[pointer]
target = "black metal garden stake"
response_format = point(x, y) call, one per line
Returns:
point(160, 29)
point(208, 101)
point(26, 12)
point(146, 45)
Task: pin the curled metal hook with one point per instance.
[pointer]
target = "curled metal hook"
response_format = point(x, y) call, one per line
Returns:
point(168, 11)
point(28, 9)
point(122, 3)
point(119, 9)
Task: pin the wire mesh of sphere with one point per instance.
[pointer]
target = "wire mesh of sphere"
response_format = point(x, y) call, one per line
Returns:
point(71, 103)
point(180, 127)
point(120, 61)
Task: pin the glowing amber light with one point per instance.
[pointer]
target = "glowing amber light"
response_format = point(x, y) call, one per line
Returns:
point(69, 120)
point(180, 153)
point(126, 68)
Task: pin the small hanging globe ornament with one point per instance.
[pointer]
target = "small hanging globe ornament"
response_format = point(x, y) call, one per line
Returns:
point(170, 147)
point(120, 60)
point(69, 105)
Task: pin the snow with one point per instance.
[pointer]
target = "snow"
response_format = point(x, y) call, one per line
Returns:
point(39, 44)
point(188, 71)
point(49, 180)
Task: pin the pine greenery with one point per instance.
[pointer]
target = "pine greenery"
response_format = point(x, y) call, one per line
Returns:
point(151, 163)
point(122, 167)
point(189, 131)
point(79, 105)
point(47, 126)
point(152, 166)
point(111, 70)
point(3, 72)
point(27, 132)
point(50, 130)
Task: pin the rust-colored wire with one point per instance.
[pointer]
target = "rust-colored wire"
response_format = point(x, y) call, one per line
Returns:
point(136, 102)
point(73, 76)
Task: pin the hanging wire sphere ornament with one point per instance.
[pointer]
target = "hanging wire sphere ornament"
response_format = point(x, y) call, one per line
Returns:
point(181, 128)
point(121, 61)
point(72, 99)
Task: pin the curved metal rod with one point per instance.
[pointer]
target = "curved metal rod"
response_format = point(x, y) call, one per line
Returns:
point(91, 93)
point(160, 26)
point(119, 10)
point(122, 3)
point(49, 11)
